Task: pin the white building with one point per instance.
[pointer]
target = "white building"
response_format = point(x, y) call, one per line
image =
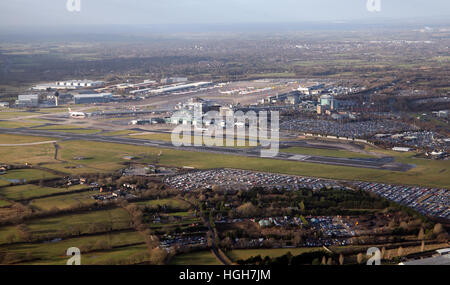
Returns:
point(401, 149)
point(92, 98)
point(31, 100)
point(71, 84)
point(4, 104)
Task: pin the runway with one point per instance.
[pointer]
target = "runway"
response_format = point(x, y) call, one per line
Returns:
point(371, 163)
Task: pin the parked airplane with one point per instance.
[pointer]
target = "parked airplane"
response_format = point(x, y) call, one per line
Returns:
point(77, 115)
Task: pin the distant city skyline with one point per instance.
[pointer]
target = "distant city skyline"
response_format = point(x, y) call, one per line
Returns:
point(54, 13)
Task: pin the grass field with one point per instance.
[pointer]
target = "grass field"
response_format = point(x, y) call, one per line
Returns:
point(4, 203)
point(69, 129)
point(29, 191)
point(325, 152)
point(15, 176)
point(196, 258)
point(118, 133)
point(16, 125)
point(55, 253)
point(243, 254)
point(64, 202)
point(168, 138)
point(125, 255)
point(13, 139)
point(81, 223)
point(105, 157)
point(14, 114)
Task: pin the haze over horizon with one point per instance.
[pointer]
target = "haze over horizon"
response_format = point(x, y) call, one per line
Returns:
point(54, 13)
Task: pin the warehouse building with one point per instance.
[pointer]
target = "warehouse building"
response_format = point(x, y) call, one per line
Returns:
point(31, 100)
point(93, 98)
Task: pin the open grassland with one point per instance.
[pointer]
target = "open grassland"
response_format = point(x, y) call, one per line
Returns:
point(13, 139)
point(64, 202)
point(125, 255)
point(73, 224)
point(69, 129)
point(29, 191)
point(196, 258)
point(17, 124)
point(191, 140)
point(23, 175)
point(106, 157)
point(118, 133)
point(14, 114)
point(4, 203)
point(54, 253)
point(325, 152)
point(243, 254)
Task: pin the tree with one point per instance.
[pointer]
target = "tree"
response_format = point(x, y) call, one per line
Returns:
point(330, 261)
point(438, 229)
point(324, 261)
point(302, 206)
point(158, 256)
point(247, 210)
point(359, 258)
point(341, 259)
point(421, 235)
point(400, 251)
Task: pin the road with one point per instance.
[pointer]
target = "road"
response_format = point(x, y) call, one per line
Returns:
point(373, 163)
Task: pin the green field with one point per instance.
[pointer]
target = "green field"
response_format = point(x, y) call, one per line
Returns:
point(124, 255)
point(15, 176)
point(69, 129)
point(55, 253)
point(16, 125)
point(33, 154)
point(168, 138)
point(196, 258)
point(29, 191)
point(118, 133)
point(64, 202)
point(13, 139)
point(14, 114)
point(116, 219)
point(106, 157)
point(4, 203)
point(325, 152)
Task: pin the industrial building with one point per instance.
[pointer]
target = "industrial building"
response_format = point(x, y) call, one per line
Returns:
point(31, 100)
point(170, 88)
point(93, 98)
point(71, 84)
point(326, 103)
point(4, 104)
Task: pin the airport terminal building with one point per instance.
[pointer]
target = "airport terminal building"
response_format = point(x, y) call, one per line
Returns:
point(93, 98)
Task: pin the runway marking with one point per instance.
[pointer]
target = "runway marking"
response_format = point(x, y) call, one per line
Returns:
point(299, 157)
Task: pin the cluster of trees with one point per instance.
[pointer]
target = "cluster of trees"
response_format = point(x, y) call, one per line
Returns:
point(308, 258)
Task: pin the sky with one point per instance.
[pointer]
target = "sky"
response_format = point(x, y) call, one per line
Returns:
point(19, 13)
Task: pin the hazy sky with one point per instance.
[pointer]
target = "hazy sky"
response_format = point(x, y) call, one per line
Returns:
point(54, 12)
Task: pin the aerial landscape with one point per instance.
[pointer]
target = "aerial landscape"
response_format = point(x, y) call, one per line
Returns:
point(237, 144)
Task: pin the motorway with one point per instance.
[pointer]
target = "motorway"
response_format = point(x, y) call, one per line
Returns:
point(372, 163)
